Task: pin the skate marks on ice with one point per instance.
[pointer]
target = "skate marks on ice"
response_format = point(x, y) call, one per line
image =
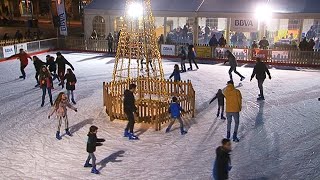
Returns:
point(113, 158)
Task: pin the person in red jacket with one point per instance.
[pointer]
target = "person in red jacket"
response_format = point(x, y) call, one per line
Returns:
point(46, 84)
point(23, 56)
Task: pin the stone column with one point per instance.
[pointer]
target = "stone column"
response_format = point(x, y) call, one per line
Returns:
point(195, 30)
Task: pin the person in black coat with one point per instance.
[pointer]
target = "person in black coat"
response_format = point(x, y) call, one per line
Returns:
point(51, 64)
point(129, 109)
point(62, 62)
point(71, 84)
point(260, 70)
point(233, 65)
point(37, 65)
point(192, 56)
point(222, 164)
point(92, 143)
point(220, 98)
point(183, 57)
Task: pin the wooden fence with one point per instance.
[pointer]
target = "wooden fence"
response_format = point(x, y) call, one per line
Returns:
point(153, 99)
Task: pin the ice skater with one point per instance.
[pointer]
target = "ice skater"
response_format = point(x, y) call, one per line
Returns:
point(233, 107)
point(92, 143)
point(183, 57)
point(192, 56)
point(233, 65)
point(37, 66)
point(62, 62)
point(220, 98)
point(222, 164)
point(175, 111)
point(129, 109)
point(46, 84)
point(71, 84)
point(51, 64)
point(23, 57)
point(176, 73)
point(259, 71)
point(60, 108)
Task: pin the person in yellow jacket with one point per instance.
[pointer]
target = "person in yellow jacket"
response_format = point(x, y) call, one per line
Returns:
point(233, 107)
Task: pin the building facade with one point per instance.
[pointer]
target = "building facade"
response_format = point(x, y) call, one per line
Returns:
point(194, 21)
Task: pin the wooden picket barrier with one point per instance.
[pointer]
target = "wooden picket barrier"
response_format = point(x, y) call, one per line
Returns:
point(152, 101)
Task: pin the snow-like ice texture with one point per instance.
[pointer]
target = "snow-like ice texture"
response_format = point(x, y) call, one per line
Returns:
point(280, 139)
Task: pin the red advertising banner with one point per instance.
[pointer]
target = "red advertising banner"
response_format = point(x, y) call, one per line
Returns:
point(261, 53)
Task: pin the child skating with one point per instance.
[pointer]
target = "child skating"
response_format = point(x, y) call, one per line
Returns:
point(220, 98)
point(60, 108)
point(92, 143)
point(175, 111)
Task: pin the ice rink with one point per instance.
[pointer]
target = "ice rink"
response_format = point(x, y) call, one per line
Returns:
point(279, 138)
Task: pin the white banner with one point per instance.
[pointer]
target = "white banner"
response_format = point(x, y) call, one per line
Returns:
point(169, 50)
point(240, 54)
point(280, 55)
point(62, 17)
point(244, 25)
point(8, 51)
point(21, 46)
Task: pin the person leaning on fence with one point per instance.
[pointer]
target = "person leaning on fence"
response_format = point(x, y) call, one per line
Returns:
point(175, 112)
point(222, 41)
point(264, 43)
point(110, 40)
point(183, 57)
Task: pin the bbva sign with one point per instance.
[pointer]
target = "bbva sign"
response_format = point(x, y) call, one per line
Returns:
point(244, 25)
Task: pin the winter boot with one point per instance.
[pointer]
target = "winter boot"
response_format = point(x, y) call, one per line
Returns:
point(73, 101)
point(235, 138)
point(222, 117)
point(37, 85)
point(42, 104)
point(218, 115)
point(133, 137)
point(68, 132)
point(58, 135)
point(87, 164)
point(242, 78)
point(126, 133)
point(228, 135)
point(51, 103)
point(183, 132)
point(261, 98)
point(94, 171)
point(21, 77)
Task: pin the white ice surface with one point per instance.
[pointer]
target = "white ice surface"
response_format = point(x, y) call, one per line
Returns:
point(280, 139)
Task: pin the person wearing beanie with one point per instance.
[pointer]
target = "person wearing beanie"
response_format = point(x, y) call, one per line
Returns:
point(62, 62)
point(233, 107)
point(92, 143)
point(259, 71)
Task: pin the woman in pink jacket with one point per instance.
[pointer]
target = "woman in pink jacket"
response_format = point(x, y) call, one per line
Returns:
point(60, 108)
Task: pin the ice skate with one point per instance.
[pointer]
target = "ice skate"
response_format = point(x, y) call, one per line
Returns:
point(58, 135)
point(21, 77)
point(37, 85)
point(167, 130)
point(87, 165)
point(68, 132)
point(95, 171)
point(183, 132)
point(42, 104)
point(133, 137)
point(261, 98)
point(242, 78)
point(73, 101)
point(126, 133)
point(235, 138)
point(223, 118)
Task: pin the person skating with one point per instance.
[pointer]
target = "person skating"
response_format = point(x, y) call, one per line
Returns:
point(92, 143)
point(60, 108)
point(222, 163)
point(129, 109)
point(175, 111)
point(220, 98)
point(176, 74)
point(233, 107)
point(183, 57)
point(259, 71)
point(52, 67)
point(233, 65)
point(37, 65)
point(110, 42)
point(23, 57)
point(62, 62)
point(46, 84)
point(192, 56)
point(71, 84)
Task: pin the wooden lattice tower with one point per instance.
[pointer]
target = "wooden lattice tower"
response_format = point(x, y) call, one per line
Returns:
point(138, 53)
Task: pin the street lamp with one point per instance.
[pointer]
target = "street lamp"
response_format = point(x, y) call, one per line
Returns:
point(263, 13)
